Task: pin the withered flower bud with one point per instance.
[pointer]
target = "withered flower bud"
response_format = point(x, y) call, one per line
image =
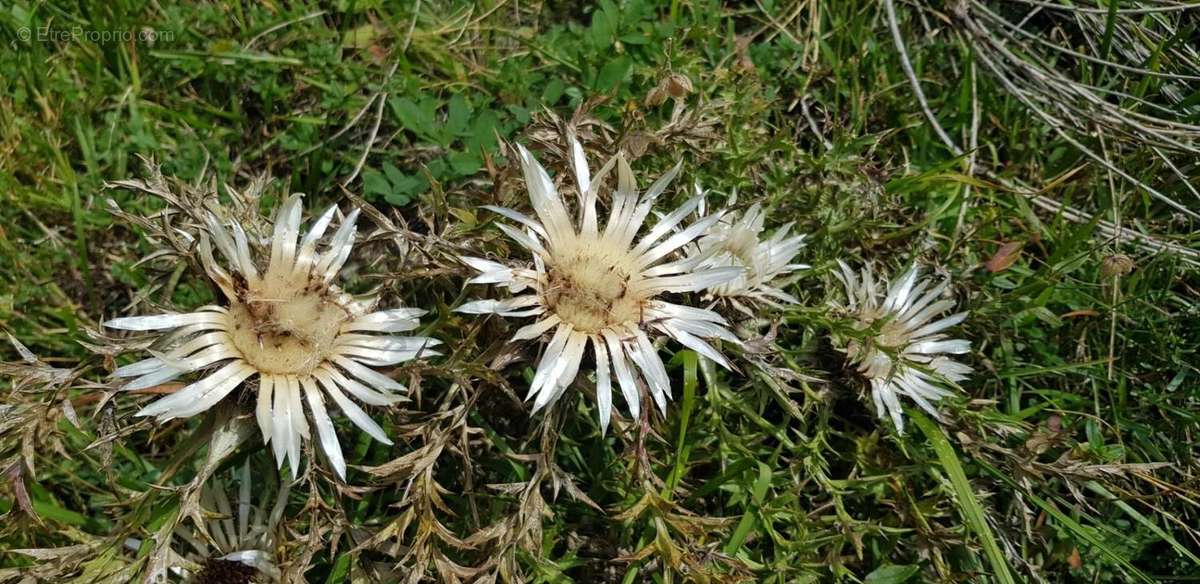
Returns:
point(1116, 265)
point(677, 85)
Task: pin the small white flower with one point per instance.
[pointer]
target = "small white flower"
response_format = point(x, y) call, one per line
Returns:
point(237, 544)
point(906, 352)
point(289, 326)
point(594, 284)
point(737, 241)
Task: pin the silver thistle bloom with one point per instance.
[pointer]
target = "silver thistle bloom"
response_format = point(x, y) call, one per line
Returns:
point(906, 353)
point(594, 284)
point(736, 240)
point(236, 543)
point(287, 324)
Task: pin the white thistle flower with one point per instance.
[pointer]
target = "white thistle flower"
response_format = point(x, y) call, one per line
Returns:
point(287, 324)
point(237, 544)
point(907, 353)
point(594, 284)
point(737, 241)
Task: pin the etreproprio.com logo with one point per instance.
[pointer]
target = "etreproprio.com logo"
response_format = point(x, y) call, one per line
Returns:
point(93, 35)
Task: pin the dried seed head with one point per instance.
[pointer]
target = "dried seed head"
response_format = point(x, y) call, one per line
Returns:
point(677, 85)
point(1116, 265)
point(656, 96)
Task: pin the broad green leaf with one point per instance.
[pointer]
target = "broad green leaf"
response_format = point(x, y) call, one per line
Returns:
point(458, 115)
point(891, 574)
point(613, 73)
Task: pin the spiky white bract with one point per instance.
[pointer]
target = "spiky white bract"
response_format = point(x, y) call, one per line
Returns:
point(238, 539)
point(905, 352)
point(594, 285)
point(737, 241)
point(287, 325)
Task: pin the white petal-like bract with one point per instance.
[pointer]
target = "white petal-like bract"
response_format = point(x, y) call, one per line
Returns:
point(738, 241)
point(288, 328)
point(598, 288)
point(237, 542)
point(902, 349)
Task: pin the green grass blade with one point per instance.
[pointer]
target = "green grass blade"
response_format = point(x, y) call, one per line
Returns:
point(1099, 489)
point(972, 511)
point(1110, 25)
point(690, 366)
point(1072, 525)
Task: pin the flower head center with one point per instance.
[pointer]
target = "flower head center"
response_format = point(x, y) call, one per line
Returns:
point(893, 334)
point(741, 244)
point(218, 571)
point(592, 291)
point(872, 360)
point(874, 352)
point(286, 325)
